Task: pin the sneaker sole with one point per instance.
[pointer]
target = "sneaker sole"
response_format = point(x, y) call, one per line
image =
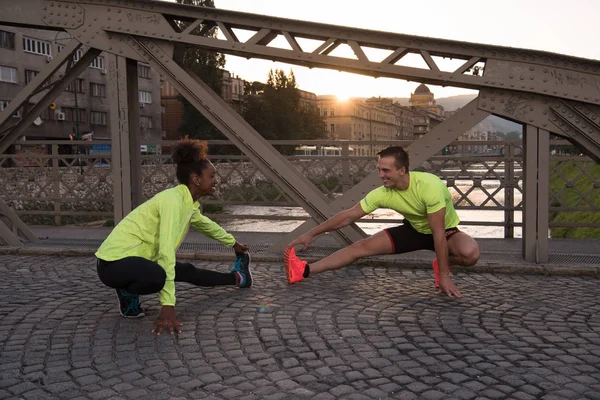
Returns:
point(250, 271)
point(140, 315)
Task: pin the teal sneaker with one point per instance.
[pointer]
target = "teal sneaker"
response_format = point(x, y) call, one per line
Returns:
point(129, 304)
point(241, 270)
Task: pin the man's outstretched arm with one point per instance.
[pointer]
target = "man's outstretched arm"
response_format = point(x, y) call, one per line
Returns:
point(338, 221)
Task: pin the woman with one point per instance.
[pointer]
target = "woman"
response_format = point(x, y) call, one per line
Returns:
point(138, 257)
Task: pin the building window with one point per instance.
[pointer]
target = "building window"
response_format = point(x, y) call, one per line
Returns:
point(324, 112)
point(30, 75)
point(145, 97)
point(143, 71)
point(78, 54)
point(97, 89)
point(36, 46)
point(4, 104)
point(97, 118)
point(8, 74)
point(76, 86)
point(70, 114)
point(145, 122)
point(98, 63)
point(332, 128)
point(332, 111)
point(7, 40)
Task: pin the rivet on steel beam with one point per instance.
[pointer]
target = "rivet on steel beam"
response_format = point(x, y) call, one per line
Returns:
point(49, 21)
point(108, 18)
point(59, 5)
point(493, 107)
point(511, 76)
point(522, 77)
point(51, 12)
point(531, 68)
point(51, 4)
point(484, 104)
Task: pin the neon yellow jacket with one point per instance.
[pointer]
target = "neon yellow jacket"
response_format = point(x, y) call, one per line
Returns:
point(154, 231)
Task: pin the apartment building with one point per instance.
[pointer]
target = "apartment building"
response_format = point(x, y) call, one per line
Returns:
point(355, 119)
point(83, 109)
point(232, 91)
point(404, 124)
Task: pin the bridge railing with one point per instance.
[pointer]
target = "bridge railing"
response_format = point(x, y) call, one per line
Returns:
point(60, 182)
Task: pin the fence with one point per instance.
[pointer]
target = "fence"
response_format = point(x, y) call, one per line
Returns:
point(57, 182)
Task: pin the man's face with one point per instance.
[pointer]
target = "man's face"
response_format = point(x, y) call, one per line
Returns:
point(207, 181)
point(388, 173)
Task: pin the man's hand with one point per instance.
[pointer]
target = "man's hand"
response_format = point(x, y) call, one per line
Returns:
point(304, 240)
point(240, 248)
point(448, 287)
point(167, 319)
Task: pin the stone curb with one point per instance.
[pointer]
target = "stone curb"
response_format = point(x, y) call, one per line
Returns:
point(482, 267)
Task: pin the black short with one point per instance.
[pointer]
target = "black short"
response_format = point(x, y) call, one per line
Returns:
point(405, 238)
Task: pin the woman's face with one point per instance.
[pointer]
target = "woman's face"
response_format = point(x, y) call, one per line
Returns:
point(206, 181)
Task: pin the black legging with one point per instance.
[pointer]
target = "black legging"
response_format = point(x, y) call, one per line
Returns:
point(141, 276)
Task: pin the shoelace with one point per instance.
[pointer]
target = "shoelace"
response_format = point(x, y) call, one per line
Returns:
point(134, 303)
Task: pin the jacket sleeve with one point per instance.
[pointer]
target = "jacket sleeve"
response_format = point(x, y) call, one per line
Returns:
point(211, 229)
point(168, 223)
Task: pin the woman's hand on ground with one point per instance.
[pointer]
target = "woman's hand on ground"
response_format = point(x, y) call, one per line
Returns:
point(167, 319)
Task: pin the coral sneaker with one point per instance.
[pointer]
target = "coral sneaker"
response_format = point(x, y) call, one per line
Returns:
point(436, 272)
point(294, 267)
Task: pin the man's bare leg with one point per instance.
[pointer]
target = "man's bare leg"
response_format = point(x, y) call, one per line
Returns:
point(379, 243)
point(296, 269)
point(463, 249)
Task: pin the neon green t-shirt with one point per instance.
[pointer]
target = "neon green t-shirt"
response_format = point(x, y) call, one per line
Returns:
point(425, 195)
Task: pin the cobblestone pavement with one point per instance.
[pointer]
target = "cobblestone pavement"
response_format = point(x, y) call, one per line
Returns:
point(355, 333)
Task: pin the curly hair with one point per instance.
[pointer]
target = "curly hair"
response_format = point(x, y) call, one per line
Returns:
point(191, 156)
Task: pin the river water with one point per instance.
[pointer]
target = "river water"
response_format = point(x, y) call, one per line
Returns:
point(283, 226)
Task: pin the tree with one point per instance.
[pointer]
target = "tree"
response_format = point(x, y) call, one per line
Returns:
point(277, 113)
point(207, 66)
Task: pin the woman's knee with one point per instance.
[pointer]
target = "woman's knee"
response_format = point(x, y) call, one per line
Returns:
point(157, 279)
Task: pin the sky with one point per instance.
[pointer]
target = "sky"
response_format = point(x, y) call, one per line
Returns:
point(570, 28)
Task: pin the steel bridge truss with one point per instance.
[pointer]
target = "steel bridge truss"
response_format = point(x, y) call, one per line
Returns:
point(546, 92)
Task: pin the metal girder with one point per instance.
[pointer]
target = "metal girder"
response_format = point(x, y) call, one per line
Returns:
point(53, 92)
point(419, 152)
point(575, 121)
point(125, 135)
point(19, 229)
point(510, 68)
point(235, 128)
point(536, 177)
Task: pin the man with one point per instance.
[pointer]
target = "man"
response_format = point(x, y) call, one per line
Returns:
point(430, 222)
